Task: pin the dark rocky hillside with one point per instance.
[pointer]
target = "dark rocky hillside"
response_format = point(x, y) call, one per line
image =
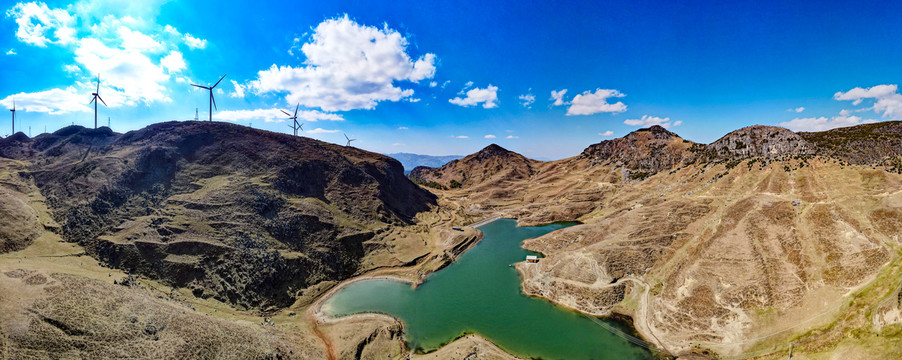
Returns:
point(246, 216)
point(488, 166)
point(876, 143)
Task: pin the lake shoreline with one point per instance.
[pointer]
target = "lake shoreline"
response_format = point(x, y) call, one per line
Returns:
point(625, 323)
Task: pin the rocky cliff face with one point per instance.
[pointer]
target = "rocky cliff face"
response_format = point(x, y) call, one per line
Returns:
point(247, 216)
point(644, 151)
point(759, 140)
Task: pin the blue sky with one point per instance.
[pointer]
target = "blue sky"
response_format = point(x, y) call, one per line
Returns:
point(450, 78)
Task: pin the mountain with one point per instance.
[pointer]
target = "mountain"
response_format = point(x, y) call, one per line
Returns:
point(245, 216)
point(711, 245)
point(410, 161)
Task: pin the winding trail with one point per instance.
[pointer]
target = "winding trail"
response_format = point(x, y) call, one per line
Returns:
point(330, 350)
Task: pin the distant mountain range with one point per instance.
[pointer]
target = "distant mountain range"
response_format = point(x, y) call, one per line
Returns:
point(411, 161)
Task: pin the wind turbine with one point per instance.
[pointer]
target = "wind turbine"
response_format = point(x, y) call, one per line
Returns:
point(13, 110)
point(94, 100)
point(212, 100)
point(295, 126)
point(349, 140)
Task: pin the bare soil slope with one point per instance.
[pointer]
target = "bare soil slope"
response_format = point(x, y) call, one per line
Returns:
point(738, 246)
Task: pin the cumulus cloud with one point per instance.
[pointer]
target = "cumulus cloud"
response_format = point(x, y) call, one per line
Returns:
point(174, 62)
point(462, 137)
point(194, 42)
point(589, 103)
point(36, 22)
point(54, 101)
point(797, 110)
point(134, 67)
point(239, 90)
point(130, 76)
point(844, 119)
point(512, 137)
point(488, 97)
point(558, 97)
point(402, 128)
point(607, 133)
point(527, 99)
point(490, 136)
point(321, 131)
point(348, 66)
point(648, 120)
point(275, 115)
point(886, 99)
point(433, 84)
point(11, 52)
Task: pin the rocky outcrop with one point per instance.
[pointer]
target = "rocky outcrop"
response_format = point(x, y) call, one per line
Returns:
point(878, 143)
point(643, 152)
point(760, 140)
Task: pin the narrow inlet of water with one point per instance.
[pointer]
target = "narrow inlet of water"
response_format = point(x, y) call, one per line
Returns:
point(479, 293)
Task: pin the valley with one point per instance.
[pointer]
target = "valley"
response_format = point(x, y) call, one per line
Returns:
point(762, 240)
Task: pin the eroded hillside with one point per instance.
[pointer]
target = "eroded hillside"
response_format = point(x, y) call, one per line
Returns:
point(246, 216)
point(722, 246)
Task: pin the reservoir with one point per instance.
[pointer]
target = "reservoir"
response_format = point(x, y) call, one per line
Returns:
point(479, 293)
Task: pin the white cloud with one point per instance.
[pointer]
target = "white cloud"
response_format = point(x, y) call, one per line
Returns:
point(11, 52)
point(558, 97)
point(71, 68)
point(823, 123)
point(413, 100)
point(445, 84)
point(488, 97)
point(462, 137)
point(275, 115)
point(174, 62)
point(54, 101)
point(526, 100)
point(797, 110)
point(887, 100)
point(348, 66)
point(589, 103)
point(131, 75)
point(171, 30)
point(239, 90)
point(402, 128)
point(607, 133)
point(490, 136)
point(647, 121)
point(433, 84)
point(398, 144)
point(35, 20)
point(321, 131)
point(137, 41)
point(194, 42)
point(512, 137)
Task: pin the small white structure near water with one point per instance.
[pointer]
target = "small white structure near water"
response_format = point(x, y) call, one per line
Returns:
point(532, 258)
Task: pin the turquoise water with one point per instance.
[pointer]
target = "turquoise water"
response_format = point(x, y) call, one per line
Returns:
point(480, 293)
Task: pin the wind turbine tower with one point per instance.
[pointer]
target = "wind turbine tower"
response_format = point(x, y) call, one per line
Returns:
point(94, 100)
point(295, 126)
point(349, 140)
point(212, 100)
point(13, 110)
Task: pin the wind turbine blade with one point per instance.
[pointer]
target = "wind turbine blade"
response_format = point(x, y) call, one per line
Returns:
point(92, 100)
point(101, 100)
point(220, 79)
point(296, 111)
point(213, 99)
point(202, 87)
point(98, 83)
point(286, 113)
point(346, 137)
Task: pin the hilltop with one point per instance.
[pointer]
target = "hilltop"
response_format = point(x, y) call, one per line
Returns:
point(246, 216)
